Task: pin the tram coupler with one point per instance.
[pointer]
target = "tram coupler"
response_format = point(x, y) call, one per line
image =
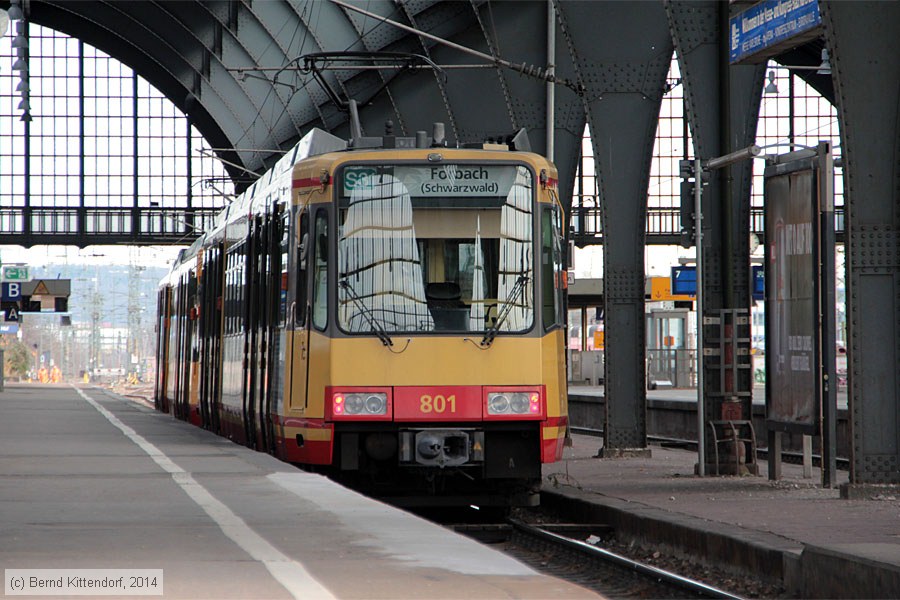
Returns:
point(441, 447)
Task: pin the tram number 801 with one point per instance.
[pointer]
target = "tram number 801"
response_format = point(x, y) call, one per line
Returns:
point(437, 404)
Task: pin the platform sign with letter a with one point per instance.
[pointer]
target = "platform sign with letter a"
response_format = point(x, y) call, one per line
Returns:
point(10, 312)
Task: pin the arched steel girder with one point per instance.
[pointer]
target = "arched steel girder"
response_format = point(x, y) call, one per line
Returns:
point(865, 51)
point(187, 48)
point(190, 50)
point(163, 49)
point(623, 87)
point(723, 108)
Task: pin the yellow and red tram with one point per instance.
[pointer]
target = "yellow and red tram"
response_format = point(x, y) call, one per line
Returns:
point(391, 313)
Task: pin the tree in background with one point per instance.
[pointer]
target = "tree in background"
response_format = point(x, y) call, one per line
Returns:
point(16, 359)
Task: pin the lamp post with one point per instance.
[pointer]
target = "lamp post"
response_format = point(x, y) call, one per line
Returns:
point(20, 43)
point(699, 168)
point(698, 228)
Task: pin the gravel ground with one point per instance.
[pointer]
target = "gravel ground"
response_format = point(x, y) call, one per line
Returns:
point(670, 559)
point(740, 584)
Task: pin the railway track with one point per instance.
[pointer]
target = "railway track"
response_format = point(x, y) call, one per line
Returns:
point(554, 549)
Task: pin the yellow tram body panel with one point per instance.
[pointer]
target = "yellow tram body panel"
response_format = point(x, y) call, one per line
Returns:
point(429, 361)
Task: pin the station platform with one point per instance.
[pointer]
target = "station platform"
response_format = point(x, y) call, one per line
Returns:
point(672, 414)
point(792, 531)
point(90, 480)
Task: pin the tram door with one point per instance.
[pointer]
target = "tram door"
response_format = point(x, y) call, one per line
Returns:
point(164, 306)
point(312, 308)
point(298, 337)
point(318, 343)
point(210, 293)
point(270, 343)
point(263, 295)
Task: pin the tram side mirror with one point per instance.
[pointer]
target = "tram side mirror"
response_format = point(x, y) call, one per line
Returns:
point(303, 251)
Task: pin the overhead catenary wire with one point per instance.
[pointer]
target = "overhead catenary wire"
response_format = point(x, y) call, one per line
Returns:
point(525, 69)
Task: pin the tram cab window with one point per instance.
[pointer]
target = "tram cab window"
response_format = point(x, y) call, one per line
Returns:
point(460, 281)
point(437, 248)
point(303, 253)
point(551, 268)
point(320, 272)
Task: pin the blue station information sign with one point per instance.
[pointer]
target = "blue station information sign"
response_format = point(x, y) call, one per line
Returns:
point(759, 282)
point(771, 26)
point(684, 281)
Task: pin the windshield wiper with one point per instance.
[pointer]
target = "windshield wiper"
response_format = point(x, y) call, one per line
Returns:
point(491, 332)
point(377, 328)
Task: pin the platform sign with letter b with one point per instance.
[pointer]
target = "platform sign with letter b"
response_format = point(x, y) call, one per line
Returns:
point(12, 291)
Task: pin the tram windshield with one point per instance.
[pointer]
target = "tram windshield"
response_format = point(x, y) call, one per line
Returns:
point(432, 248)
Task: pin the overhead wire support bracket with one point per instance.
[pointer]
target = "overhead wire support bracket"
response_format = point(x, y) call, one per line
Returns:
point(317, 62)
point(524, 69)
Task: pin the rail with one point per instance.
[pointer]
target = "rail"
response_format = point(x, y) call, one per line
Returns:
point(27, 226)
point(661, 580)
point(663, 226)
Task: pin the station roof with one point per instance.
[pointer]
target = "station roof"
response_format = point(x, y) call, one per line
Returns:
point(235, 67)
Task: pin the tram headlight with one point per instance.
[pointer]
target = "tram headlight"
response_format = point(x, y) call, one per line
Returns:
point(376, 404)
point(349, 403)
point(498, 404)
point(516, 403)
point(519, 403)
point(354, 404)
point(366, 404)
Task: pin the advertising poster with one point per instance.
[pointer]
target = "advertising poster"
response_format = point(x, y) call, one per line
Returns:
point(792, 333)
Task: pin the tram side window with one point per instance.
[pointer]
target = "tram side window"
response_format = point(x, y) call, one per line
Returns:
point(551, 268)
point(226, 309)
point(236, 284)
point(230, 306)
point(240, 288)
point(234, 288)
point(283, 287)
point(320, 273)
point(302, 270)
point(229, 296)
point(233, 305)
